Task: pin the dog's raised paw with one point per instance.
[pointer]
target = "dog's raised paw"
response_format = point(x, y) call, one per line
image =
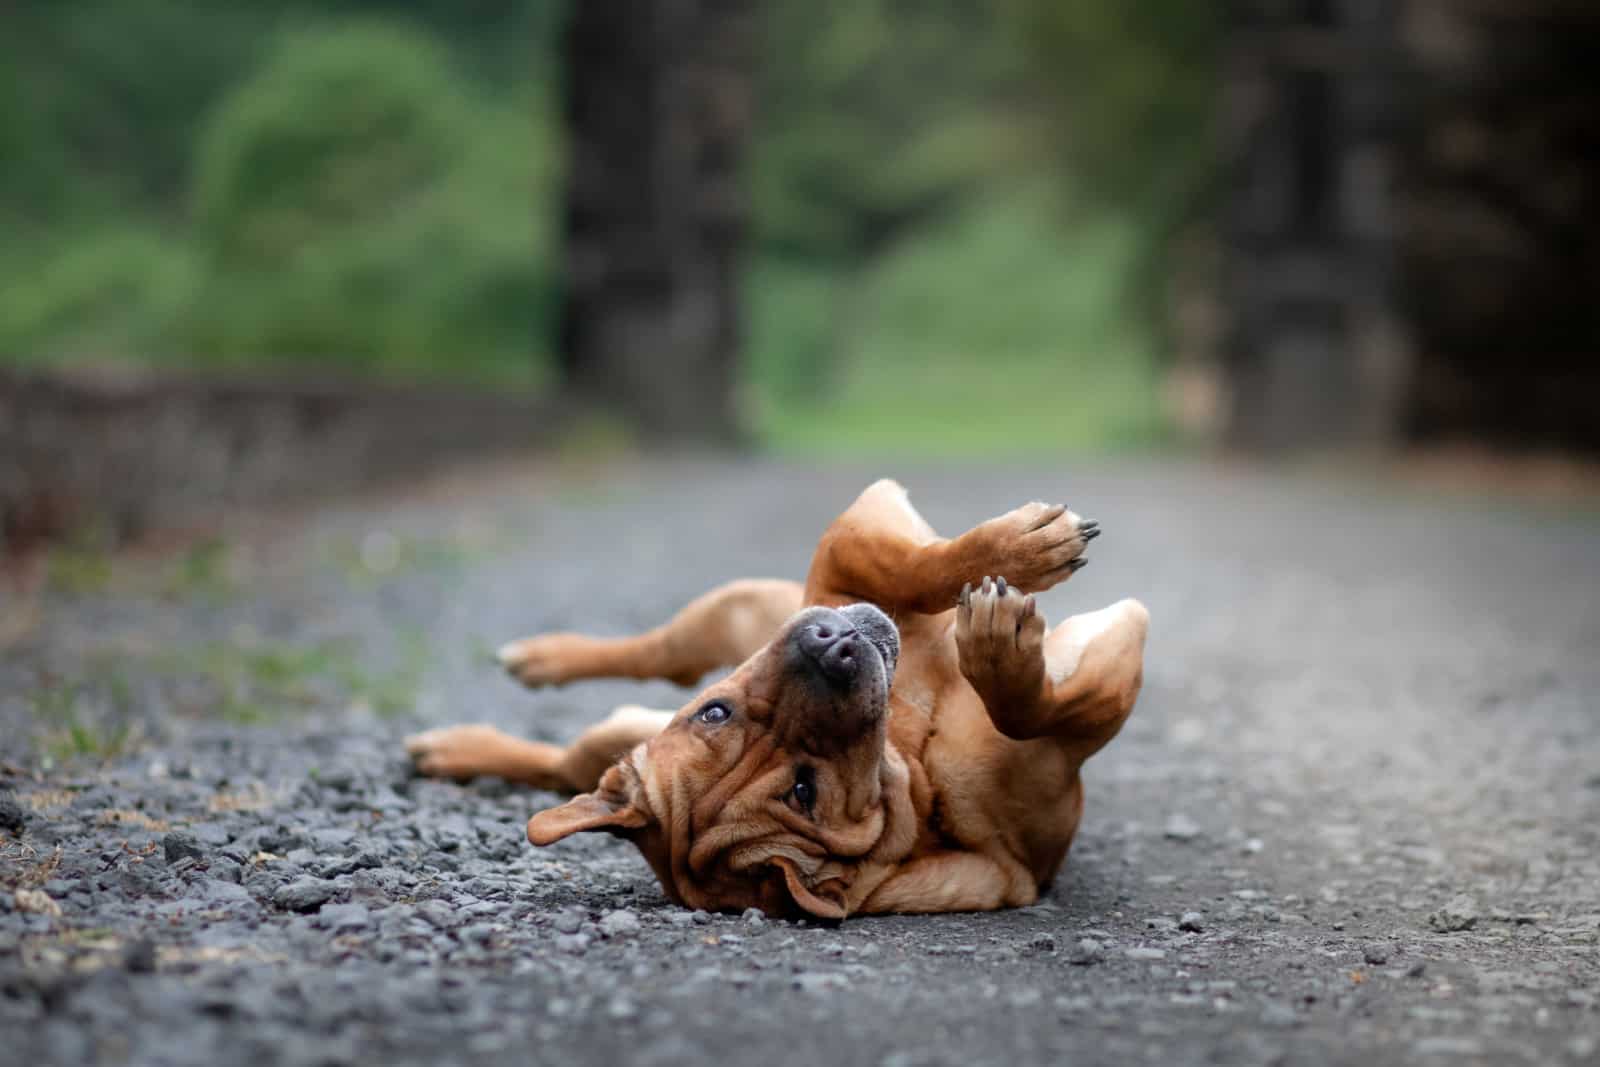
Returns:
point(1039, 545)
point(998, 618)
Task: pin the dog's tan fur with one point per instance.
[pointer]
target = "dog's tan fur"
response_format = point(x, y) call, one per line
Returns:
point(954, 789)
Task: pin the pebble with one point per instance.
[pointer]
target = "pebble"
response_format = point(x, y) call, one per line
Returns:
point(1376, 955)
point(344, 918)
point(754, 917)
point(819, 982)
point(620, 923)
point(569, 921)
point(303, 894)
point(13, 816)
point(1192, 922)
point(1279, 1015)
point(36, 902)
point(180, 846)
point(1461, 913)
point(574, 944)
point(1088, 951)
point(1182, 828)
point(1042, 942)
point(1447, 1046)
point(1141, 952)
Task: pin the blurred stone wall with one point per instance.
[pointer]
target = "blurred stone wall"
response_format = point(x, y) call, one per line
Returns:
point(126, 456)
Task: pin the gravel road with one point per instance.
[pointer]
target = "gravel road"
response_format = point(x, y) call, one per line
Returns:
point(1354, 819)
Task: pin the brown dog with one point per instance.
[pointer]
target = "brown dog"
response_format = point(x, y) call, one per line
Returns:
point(908, 742)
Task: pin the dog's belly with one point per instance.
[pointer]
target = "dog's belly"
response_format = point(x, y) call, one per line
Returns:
point(1017, 800)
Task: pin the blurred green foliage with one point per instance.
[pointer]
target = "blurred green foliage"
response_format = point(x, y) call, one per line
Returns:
point(953, 202)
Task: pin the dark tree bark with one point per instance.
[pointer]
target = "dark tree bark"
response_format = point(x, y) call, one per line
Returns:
point(1502, 205)
point(659, 108)
point(1316, 355)
point(1409, 239)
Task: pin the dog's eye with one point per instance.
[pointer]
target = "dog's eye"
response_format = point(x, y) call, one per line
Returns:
point(713, 714)
point(805, 788)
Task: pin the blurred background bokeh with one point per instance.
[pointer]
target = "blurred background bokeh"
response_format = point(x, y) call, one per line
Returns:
point(952, 227)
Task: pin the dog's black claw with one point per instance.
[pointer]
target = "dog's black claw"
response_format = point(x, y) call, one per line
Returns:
point(1000, 585)
point(1089, 524)
point(1090, 534)
point(1077, 565)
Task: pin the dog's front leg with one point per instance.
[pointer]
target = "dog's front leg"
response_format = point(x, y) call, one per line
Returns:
point(883, 551)
point(1078, 682)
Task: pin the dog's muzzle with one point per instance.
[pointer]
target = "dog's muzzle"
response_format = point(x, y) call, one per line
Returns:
point(841, 644)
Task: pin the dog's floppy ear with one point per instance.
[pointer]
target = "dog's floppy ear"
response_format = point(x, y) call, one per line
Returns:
point(587, 811)
point(611, 808)
point(825, 901)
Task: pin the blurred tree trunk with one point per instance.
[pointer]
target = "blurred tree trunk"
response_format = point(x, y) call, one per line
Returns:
point(659, 96)
point(1317, 356)
point(1502, 208)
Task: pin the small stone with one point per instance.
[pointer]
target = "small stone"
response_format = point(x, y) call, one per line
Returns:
point(1416, 970)
point(1278, 1015)
point(754, 917)
point(620, 923)
point(1182, 828)
point(1042, 942)
point(1376, 955)
point(13, 816)
point(1141, 952)
point(36, 902)
point(439, 914)
point(700, 917)
point(569, 921)
point(1447, 1046)
point(139, 956)
point(622, 1008)
point(1192, 922)
point(1088, 951)
point(181, 846)
point(344, 918)
point(1461, 913)
point(819, 983)
point(575, 944)
point(303, 894)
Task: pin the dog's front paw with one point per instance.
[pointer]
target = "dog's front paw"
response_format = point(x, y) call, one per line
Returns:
point(456, 751)
point(1000, 640)
point(1039, 545)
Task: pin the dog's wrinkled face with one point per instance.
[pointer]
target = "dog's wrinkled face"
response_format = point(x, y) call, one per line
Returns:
point(768, 790)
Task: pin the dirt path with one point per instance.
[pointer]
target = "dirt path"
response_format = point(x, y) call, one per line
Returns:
point(1355, 818)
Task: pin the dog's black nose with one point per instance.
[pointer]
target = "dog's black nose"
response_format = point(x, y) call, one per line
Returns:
point(835, 647)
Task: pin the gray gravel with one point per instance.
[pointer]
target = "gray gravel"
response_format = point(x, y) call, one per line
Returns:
point(1355, 818)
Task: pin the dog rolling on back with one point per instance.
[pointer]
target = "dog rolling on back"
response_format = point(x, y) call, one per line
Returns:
point(902, 733)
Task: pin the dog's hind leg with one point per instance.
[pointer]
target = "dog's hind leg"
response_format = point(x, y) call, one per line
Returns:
point(721, 628)
point(475, 751)
point(1077, 682)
